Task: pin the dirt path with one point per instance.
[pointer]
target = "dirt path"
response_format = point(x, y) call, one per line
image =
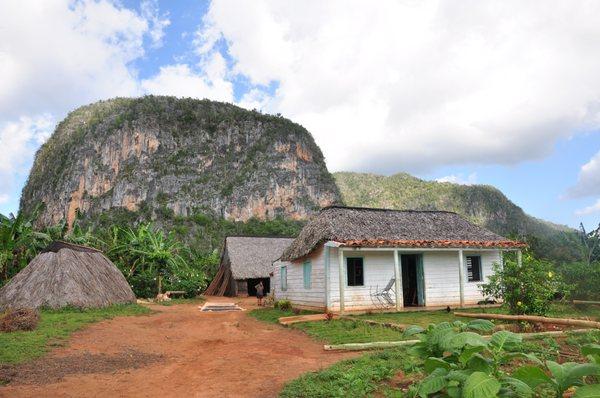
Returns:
point(184, 352)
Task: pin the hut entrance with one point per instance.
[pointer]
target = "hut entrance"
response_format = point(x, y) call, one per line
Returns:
point(413, 282)
point(253, 282)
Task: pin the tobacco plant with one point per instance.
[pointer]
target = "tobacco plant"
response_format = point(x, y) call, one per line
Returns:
point(461, 363)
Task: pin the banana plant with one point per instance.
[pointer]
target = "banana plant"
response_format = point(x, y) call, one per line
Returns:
point(19, 242)
point(148, 250)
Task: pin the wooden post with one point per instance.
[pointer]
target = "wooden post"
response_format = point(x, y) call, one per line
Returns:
point(519, 258)
point(342, 278)
point(461, 277)
point(398, 281)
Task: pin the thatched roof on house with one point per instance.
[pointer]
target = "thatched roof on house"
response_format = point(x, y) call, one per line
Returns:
point(246, 257)
point(252, 257)
point(67, 275)
point(365, 227)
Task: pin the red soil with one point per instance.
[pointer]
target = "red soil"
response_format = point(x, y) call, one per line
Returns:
point(191, 353)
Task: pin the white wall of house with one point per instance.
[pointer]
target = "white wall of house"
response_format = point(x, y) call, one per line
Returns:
point(296, 292)
point(378, 270)
point(442, 285)
point(441, 277)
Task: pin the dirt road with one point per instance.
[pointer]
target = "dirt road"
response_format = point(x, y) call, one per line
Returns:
point(178, 351)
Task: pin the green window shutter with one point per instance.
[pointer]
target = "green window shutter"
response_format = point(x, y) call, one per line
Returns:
point(307, 268)
point(283, 277)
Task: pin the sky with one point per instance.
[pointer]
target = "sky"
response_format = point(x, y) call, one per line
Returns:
point(505, 93)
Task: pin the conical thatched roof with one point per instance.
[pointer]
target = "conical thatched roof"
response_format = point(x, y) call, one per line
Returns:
point(365, 227)
point(67, 275)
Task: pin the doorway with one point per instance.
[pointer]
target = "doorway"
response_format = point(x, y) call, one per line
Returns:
point(253, 282)
point(413, 281)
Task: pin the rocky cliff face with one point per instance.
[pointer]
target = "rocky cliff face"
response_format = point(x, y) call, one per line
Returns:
point(160, 154)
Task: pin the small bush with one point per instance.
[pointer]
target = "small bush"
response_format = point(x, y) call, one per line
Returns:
point(283, 305)
point(528, 289)
point(19, 320)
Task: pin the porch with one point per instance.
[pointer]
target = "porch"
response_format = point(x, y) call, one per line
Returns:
point(441, 274)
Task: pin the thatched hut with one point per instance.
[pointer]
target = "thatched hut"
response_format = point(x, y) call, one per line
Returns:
point(245, 261)
point(63, 275)
point(349, 258)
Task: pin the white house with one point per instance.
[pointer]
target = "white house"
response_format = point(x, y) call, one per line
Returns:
point(350, 258)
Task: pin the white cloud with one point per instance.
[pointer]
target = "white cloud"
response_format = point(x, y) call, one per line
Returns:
point(414, 85)
point(19, 141)
point(56, 56)
point(595, 208)
point(459, 179)
point(157, 22)
point(588, 182)
point(181, 81)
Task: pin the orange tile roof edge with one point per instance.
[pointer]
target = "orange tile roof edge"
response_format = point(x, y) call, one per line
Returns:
point(433, 243)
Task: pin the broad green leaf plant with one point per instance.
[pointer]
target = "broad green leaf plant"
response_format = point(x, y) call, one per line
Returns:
point(462, 363)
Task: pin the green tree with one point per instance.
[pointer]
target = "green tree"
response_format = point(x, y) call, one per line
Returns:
point(19, 243)
point(148, 256)
point(590, 241)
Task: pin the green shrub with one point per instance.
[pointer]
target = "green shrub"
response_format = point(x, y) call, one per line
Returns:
point(583, 279)
point(526, 289)
point(283, 305)
point(191, 281)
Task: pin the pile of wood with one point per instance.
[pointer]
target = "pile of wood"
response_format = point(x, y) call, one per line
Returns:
point(220, 283)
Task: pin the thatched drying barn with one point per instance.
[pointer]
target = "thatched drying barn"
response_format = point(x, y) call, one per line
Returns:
point(349, 258)
point(245, 261)
point(63, 275)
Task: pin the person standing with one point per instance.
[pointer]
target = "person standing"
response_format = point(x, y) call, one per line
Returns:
point(260, 292)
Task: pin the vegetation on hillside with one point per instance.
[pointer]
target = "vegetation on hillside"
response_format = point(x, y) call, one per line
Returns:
point(144, 252)
point(168, 156)
point(482, 204)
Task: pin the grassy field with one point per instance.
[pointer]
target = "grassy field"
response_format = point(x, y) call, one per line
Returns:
point(337, 331)
point(342, 331)
point(353, 378)
point(271, 315)
point(54, 327)
point(424, 318)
